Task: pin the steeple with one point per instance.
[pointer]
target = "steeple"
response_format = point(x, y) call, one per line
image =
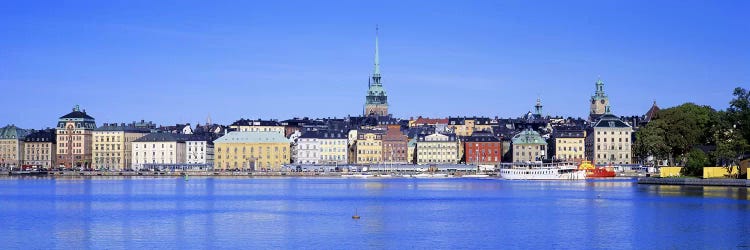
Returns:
point(599, 87)
point(538, 106)
point(376, 71)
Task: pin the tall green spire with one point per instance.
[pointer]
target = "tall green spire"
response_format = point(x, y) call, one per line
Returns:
point(376, 71)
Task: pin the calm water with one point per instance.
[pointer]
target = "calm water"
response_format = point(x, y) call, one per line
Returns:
point(237, 213)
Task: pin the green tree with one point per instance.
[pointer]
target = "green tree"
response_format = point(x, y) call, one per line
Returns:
point(739, 112)
point(651, 142)
point(696, 160)
point(676, 131)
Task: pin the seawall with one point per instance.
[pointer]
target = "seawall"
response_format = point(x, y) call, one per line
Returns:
point(695, 182)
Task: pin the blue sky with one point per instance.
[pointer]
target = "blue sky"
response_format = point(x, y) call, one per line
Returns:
point(178, 61)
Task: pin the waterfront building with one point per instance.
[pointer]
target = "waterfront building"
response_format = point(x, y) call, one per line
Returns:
point(437, 148)
point(333, 147)
point(39, 149)
point(395, 148)
point(528, 145)
point(247, 125)
point(256, 150)
point(569, 144)
point(308, 148)
point(112, 145)
point(482, 147)
point(74, 139)
point(158, 151)
point(368, 146)
point(199, 150)
point(609, 141)
point(599, 102)
point(376, 102)
point(12, 146)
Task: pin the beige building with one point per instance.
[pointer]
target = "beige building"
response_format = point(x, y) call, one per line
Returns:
point(158, 151)
point(368, 148)
point(333, 147)
point(113, 146)
point(252, 151)
point(74, 139)
point(246, 125)
point(11, 146)
point(437, 148)
point(609, 141)
point(39, 149)
point(569, 145)
point(529, 146)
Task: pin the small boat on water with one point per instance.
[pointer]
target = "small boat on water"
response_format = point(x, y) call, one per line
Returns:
point(596, 172)
point(541, 171)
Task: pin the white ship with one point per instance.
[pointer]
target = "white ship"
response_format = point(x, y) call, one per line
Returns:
point(540, 171)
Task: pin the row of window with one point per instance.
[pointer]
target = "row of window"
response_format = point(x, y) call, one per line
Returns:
point(612, 139)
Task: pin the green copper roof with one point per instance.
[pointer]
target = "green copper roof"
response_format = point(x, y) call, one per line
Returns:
point(13, 132)
point(528, 136)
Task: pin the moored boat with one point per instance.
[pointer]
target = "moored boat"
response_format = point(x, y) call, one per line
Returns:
point(541, 171)
point(593, 171)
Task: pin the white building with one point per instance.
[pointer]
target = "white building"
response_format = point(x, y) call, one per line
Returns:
point(159, 150)
point(308, 150)
point(199, 150)
point(609, 141)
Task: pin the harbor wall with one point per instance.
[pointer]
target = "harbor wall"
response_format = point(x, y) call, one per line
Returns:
point(695, 181)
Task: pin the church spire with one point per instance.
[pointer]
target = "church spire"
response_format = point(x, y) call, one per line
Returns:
point(538, 106)
point(376, 71)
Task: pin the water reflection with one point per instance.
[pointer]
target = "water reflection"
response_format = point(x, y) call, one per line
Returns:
point(147, 212)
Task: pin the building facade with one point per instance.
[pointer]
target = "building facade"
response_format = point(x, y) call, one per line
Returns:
point(113, 146)
point(308, 148)
point(529, 146)
point(465, 126)
point(74, 139)
point(437, 148)
point(262, 151)
point(569, 145)
point(333, 147)
point(158, 151)
point(376, 102)
point(39, 149)
point(199, 150)
point(395, 149)
point(609, 141)
point(483, 148)
point(12, 146)
point(368, 148)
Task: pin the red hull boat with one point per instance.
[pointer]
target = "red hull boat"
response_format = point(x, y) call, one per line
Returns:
point(596, 172)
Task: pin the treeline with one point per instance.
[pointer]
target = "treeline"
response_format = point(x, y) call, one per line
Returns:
point(696, 136)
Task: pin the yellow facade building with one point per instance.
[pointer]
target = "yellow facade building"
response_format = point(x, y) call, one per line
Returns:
point(465, 126)
point(256, 151)
point(368, 148)
point(437, 148)
point(11, 146)
point(113, 146)
point(570, 145)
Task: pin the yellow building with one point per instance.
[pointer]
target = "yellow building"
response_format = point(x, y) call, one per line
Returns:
point(11, 146)
point(368, 148)
point(437, 149)
point(570, 145)
point(113, 146)
point(252, 151)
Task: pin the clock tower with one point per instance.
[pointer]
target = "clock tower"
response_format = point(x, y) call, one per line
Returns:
point(599, 101)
